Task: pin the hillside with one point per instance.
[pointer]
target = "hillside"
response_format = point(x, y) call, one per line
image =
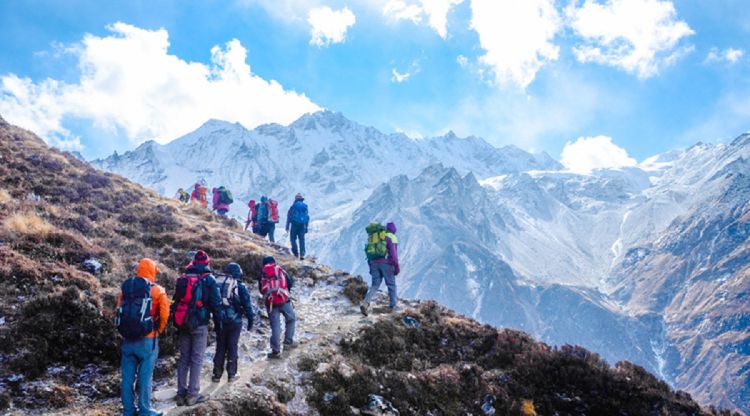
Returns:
point(61, 219)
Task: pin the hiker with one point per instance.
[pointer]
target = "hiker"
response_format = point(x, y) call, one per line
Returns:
point(252, 216)
point(382, 257)
point(235, 300)
point(140, 344)
point(182, 196)
point(199, 194)
point(196, 297)
point(273, 218)
point(275, 286)
point(267, 215)
point(261, 217)
point(222, 198)
point(297, 219)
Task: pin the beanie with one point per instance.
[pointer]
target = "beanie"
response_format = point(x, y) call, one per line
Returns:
point(201, 258)
point(268, 260)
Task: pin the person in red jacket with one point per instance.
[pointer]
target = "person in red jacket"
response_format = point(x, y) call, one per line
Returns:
point(139, 353)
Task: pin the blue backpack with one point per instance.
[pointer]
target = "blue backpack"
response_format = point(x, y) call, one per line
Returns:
point(299, 213)
point(262, 216)
point(134, 320)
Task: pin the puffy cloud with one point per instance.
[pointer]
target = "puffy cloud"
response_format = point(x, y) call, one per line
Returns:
point(399, 77)
point(589, 153)
point(639, 36)
point(130, 83)
point(436, 12)
point(329, 26)
point(517, 37)
point(730, 55)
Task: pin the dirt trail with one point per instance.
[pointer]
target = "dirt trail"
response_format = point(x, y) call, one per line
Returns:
point(324, 316)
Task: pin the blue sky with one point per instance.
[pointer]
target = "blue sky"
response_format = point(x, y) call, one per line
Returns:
point(646, 75)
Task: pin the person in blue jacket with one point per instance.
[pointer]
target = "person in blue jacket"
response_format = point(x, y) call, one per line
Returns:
point(297, 219)
point(235, 302)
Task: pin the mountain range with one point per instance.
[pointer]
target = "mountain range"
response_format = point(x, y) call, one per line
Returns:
point(647, 263)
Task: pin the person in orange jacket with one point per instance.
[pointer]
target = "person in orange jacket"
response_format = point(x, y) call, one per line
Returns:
point(140, 332)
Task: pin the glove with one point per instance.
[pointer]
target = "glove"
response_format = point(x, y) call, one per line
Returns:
point(305, 229)
point(249, 324)
point(286, 228)
point(396, 270)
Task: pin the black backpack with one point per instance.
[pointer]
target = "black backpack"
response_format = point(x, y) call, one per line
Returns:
point(134, 320)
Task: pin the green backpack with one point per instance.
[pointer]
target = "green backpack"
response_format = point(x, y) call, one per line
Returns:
point(225, 196)
point(376, 247)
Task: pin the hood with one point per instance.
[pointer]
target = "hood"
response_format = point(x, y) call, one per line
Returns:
point(391, 227)
point(147, 269)
point(264, 199)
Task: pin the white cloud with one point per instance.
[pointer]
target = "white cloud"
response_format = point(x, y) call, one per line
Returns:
point(435, 12)
point(639, 36)
point(329, 26)
point(462, 61)
point(729, 55)
point(517, 37)
point(399, 77)
point(589, 153)
point(129, 82)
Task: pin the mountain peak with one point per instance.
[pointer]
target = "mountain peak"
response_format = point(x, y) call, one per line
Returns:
point(325, 118)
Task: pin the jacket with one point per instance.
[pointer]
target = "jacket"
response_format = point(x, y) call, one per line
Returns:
point(298, 204)
point(211, 297)
point(160, 302)
point(216, 204)
point(391, 242)
point(245, 305)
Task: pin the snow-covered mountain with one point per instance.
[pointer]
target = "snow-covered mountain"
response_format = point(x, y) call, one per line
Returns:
point(508, 237)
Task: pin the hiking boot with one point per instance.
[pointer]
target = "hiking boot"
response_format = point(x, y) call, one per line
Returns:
point(301, 257)
point(395, 309)
point(233, 378)
point(363, 308)
point(180, 400)
point(193, 400)
point(274, 355)
point(215, 379)
point(291, 345)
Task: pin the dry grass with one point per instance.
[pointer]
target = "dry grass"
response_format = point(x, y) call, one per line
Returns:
point(27, 223)
point(5, 197)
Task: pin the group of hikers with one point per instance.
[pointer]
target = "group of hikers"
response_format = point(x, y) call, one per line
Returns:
point(201, 295)
point(262, 216)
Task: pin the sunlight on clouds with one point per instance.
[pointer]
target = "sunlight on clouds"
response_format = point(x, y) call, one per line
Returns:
point(329, 26)
point(639, 36)
point(436, 12)
point(517, 37)
point(129, 81)
point(589, 153)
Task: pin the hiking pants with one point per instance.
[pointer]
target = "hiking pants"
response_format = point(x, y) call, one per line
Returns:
point(226, 349)
point(192, 347)
point(297, 232)
point(380, 271)
point(271, 229)
point(138, 359)
point(290, 321)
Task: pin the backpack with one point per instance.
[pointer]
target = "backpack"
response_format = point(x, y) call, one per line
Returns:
point(274, 285)
point(376, 247)
point(134, 320)
point(273, 206)
point(230, 298)
point(299, 213)
point(262, 212)
point(191, 294)
point(225, 196)
point(202, 194)
point(184, 197)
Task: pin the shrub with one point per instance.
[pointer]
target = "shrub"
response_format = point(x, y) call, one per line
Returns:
point(27, 223)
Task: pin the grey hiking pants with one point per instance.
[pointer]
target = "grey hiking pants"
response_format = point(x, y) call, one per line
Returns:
point(192, 348)
point(289, 323)
point(380, 272)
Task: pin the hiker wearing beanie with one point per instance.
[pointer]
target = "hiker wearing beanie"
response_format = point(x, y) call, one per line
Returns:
point(196, 298)
point(140, 345)
point(275, 286)
point(297, 219)
point(235, 300)
point(383, 262)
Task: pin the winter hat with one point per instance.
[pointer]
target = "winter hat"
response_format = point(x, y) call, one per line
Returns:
point(298, 196)
point(201, 257)
point(264, 199)
point(234, 270)
point(391, 227)
point(147, 269)
point(268, 260)
point(197, 185)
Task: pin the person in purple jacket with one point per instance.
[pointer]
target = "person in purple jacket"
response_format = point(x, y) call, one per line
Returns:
point(385, 268)
point(220, 207)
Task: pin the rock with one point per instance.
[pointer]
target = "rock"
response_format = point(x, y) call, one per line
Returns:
point(93, 266)
point(411, 322)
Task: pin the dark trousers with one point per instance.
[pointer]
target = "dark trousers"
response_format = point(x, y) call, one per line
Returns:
point(298, 233)
point(271, 229)
point(226, 349)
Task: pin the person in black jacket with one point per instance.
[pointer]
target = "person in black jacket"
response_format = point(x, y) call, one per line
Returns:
point(205, 300)
point(235, 301)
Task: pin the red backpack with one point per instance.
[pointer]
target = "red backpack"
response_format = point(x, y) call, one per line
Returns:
point(274, 285)
point(185, 287)
point(274, 210)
